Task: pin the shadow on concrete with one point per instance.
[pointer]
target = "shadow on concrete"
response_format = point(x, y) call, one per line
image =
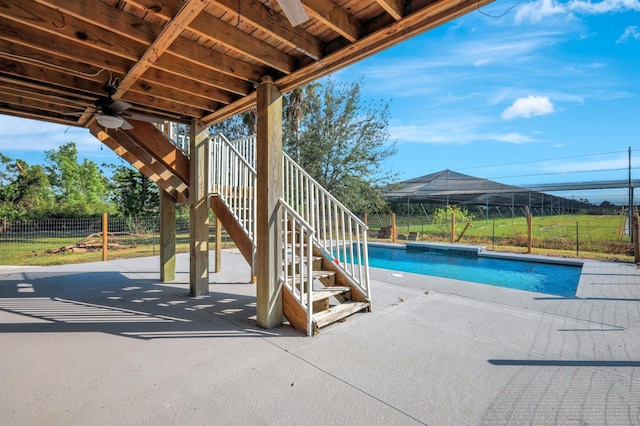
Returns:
point(125, 305)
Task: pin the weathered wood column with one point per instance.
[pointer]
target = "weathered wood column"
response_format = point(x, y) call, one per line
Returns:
point(199, 210)
point(167, 237)
point(268, 191)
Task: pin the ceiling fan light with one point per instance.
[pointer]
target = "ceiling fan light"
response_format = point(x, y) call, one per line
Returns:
point(109, 121)
point(294, 11)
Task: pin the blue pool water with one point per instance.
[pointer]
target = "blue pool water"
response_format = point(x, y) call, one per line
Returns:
point(561, 280)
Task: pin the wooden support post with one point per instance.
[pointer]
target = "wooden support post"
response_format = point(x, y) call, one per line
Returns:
point(393, 227)
point(105, 236)
point(529, 232)
point(269, 239)
point(167, 237)
point(365, 219)
point(218, 262)
point(199, 211)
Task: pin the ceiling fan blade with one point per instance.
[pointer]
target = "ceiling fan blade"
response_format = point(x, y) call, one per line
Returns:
point(118, 106)
point(294, 11)
point(126, 125)
point(143, 117)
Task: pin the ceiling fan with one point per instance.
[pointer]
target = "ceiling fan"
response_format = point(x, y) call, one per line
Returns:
point(111, 114)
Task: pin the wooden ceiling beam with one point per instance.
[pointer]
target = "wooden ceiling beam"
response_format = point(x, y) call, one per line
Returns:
point(80, 90)
point(216, 61)
point(218, 31)
point(189, 86)
point(36, 115)
point(117, 65)
point(11, 88)
point(243, 43)
point(275, 25)
point(73, 89)
point(174, 65)
point(58, 51)
point(189, 11)
point(20, 101)
point(395, 8)
point(426, 15)
point(107, 20)
point(171, 94)
point(336, 18)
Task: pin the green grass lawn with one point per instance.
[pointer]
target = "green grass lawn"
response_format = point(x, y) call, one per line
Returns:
point(33, 252)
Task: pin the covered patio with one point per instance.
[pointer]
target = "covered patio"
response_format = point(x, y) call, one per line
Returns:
point(111, 343)
point(128, 69)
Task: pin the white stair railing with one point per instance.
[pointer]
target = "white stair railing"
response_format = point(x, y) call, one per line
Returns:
point(338, 233)
point(233, 179)
point(298, 256)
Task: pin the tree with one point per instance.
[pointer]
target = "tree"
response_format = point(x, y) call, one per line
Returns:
point(80, 189)
point(134, 193)
point(237, 126)
point(442, 216)
point(341, 140)
point(24, 190)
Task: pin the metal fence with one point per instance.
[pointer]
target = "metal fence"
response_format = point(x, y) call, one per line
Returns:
point(576, 234)
point(60, 241)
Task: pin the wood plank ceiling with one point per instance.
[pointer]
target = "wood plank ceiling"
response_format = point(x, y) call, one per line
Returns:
point(181, 60)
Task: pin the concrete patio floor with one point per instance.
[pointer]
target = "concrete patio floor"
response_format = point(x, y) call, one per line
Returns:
point(107, 343)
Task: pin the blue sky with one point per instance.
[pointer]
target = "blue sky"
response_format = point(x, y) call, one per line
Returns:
point(547, 92)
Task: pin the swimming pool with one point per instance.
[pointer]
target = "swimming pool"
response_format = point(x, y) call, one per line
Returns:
point(556, 279)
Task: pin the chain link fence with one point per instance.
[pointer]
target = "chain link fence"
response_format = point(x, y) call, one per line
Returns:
point(59, 241)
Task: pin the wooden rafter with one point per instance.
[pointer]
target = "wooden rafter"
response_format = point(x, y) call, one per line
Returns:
point(189, 11)
point(188, 59)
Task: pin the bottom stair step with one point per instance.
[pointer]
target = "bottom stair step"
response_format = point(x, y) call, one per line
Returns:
point(338, 312)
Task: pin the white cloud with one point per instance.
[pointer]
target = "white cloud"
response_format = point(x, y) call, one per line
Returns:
point(481, 62)
point(455, 132)
point(528, 107)
point(629, 33)
point(19, 135)
point(536, 11)
point(606, 6)
point(515, 138)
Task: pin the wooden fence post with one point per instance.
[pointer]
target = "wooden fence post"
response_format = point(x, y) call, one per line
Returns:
point(529, 232)
point(636, 243)
point(452, 235)
point(393, 227)
point(105, 236)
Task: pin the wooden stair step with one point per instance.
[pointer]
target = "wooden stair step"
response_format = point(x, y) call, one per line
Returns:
point(327, 292)
point(317, 275)
point(338, 312)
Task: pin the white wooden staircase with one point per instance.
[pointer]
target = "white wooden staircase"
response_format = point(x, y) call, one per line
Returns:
point(325, 271)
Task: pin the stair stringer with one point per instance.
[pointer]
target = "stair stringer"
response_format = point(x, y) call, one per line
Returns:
point(233, 228)
point(341, 278)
